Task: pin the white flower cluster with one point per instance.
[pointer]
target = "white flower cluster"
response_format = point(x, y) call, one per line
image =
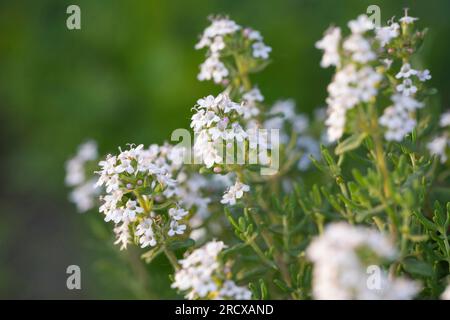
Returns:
point(84, 192)
point(385, 34)
point(234, 193)
point(355, 81)
point(216, 37)
point(309, 146)
point(200, 275)
point(133, 179)
point(250, 101)
point(340, 272)
point(215, 123)
point(282, 116)
point(349, 88)
point(330, 46)
point(438, 146)
point(398, 118)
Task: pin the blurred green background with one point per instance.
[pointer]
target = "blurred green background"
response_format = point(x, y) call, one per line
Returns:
point(129, 75)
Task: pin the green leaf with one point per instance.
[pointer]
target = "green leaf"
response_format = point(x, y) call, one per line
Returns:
point(242, 223)
point(232, 221)
point(280, 284)
point(233, 249)
point(424, 221)
point(315, 195)
point(418, 267)
point(263, 288)
point(254, 290)
point(440, 217)
point(351, 143)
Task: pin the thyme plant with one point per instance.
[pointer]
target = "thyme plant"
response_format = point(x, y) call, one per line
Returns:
point(355, 204)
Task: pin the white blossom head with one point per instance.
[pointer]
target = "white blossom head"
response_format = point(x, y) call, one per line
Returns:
point(341, 257)
point(221, 38)
point(137, 181)
point(201, 275)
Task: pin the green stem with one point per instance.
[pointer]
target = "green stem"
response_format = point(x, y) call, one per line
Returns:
point(144, 203)
point(382, 169)
point(172, 258)
point(381, 162)
point(279, 260)
point(243, 72)
point(261, 254)
point(447, 248)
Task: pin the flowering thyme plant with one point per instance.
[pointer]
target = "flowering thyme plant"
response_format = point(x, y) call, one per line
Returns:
point(374, 221)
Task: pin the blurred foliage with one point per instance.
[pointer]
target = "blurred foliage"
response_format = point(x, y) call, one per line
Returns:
point(129, 75)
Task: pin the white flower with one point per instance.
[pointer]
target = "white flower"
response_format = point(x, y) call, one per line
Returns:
point(424, 75)
point(254, 95)
point(361, 24)
point(407, 19)
point(213, 69)
point(216, 37)
point(232, 291)
point(251, 98)
point(300, 123)
point(253, 34)
point(330, 45)
point(236, 132)
point(438, 147)
point(260, 50)
point(386, 34)
point(208, 153)
point(219, 27)
point(310, 147)
point(110, 201)
point(150, 173)
point(446, 294)
point(445, 120)
point(283, 116)
point(387, 63)
point(397, 122)
point(197, 269)
point(406, 103)
point(407, 87)
point(341, 273)
point(200, 273)
point(123, 236)
point(360, 48)
point(406, 71)
point(84, 195)
point(336, 124)
point(213, 128)
point(176, 228)
point(234, 192)
point(217, 44)
point(145, 232)
point(115, 215)
point(398, 119)
point(350, 86)
point(75, 174)
point(177, 213)
point(84, 190)
point(198, 235)
point(132, 209)
point(75, 167)
point(283, 108)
